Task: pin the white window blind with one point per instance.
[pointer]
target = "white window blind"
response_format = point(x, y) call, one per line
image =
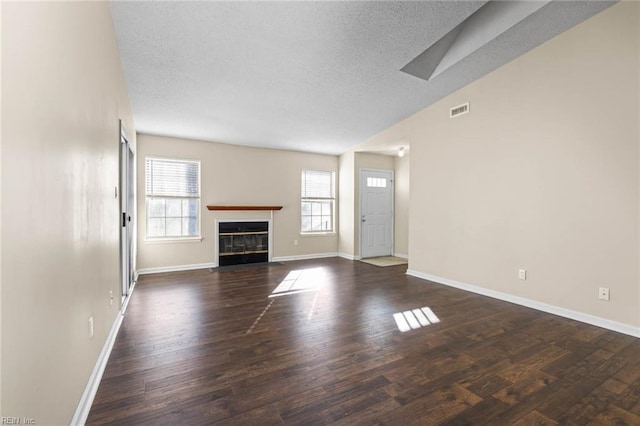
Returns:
point(317, 184)
point(172, 178)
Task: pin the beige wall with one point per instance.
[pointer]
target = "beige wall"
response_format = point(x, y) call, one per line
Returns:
point(401, 207)
point(1, 32)
point(542, 174)
point(63, 92)
point(235, 175)
point(346, 204)
point(638, 130)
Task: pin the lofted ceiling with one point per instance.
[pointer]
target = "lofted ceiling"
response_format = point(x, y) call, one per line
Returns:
point(315, 76)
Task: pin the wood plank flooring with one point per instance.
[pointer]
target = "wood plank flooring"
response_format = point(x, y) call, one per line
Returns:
point(211, 347)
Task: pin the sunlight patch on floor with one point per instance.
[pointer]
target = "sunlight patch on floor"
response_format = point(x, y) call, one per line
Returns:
point(259, 318)
point(300, 281)
point(415, 318)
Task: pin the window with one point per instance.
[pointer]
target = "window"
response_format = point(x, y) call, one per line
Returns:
point(317, 201)
point(173, 198)
point(376, 182)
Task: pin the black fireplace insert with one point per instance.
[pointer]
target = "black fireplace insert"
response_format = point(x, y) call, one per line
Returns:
point(243, 242)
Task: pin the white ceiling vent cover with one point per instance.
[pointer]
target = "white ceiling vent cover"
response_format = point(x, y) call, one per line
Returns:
point(459, 110)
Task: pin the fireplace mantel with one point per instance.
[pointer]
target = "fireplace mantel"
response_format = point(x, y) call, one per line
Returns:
point(244, 208)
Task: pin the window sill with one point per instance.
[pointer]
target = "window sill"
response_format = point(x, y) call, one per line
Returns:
point(172, 240)
point(318, 234)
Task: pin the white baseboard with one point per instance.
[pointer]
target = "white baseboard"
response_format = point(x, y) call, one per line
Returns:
point(303, 257)
point(178, 268)
point(123, 308)
point(86, 400)
point(401, 255)
point(349, 256)
point(175, 268)
point(567, 313)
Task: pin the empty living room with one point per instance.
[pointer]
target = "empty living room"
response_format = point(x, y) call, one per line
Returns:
point(320, 212)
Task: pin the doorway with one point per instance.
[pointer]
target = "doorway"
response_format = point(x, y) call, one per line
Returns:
point(376, 213)
point(127, 205)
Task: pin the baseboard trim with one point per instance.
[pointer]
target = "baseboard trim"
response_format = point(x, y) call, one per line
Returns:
point(176, 268)
point(90, 390)
point(401, 255)
point(303, 257)
point(566, 313)
point(125, 305)
point(348, 256)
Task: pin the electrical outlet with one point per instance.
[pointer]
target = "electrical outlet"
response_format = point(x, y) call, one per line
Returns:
point(90, 327)
point(522, 274)
point(603, 293)
point(295, 242)
point(110, 297)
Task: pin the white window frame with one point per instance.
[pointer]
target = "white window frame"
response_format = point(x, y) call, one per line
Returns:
point(331, 199)
point(148, 197)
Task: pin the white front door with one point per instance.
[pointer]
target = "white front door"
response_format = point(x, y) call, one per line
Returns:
point(376, 213)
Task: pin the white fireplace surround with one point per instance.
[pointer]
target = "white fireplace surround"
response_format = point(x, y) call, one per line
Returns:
point(216, 238)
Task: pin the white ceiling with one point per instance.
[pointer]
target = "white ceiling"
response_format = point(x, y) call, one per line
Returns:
point(307, 76)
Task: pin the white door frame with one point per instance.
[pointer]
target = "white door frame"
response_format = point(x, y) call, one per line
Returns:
point(126, 219)
point(393, 203)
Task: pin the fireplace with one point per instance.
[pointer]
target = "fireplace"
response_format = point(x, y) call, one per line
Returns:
point(243, 242)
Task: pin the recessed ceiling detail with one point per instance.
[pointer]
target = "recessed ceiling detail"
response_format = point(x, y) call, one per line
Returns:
point(424, 65)
point(484, 25)
point(313, 76)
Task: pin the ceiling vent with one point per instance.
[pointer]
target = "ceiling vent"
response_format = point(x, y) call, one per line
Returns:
point(459, 110)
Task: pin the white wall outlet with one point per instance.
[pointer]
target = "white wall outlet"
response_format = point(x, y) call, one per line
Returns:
point(110, 297)
point(90, 327)
point(522, 274)
point(603, 293)
point(295, 242)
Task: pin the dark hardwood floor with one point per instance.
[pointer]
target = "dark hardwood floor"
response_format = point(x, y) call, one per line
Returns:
point(205, 347)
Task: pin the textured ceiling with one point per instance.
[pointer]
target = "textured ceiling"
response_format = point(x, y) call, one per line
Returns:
point(306, 76)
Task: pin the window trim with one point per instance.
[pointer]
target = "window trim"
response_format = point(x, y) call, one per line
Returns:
point(173, 238)
point(332, 199)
